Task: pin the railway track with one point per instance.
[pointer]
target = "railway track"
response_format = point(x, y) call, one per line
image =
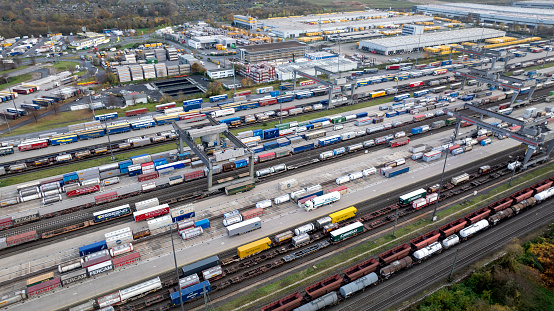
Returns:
point(116, 150)
point(276, 266)
point(170, 195)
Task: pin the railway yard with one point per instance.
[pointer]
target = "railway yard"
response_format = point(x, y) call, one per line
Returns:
point(157, 230)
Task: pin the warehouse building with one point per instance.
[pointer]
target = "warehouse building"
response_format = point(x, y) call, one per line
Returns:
point(247, 22)
point(408, 44)
point(286, 50)
point(326, 24)
point(508, 15)
point(202, 42)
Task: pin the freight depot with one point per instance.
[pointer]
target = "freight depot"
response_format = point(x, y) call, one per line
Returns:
point(469, 220)
point(73, 227)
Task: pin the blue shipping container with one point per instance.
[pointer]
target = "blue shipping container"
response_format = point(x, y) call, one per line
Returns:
point(303, 148)
point(92, 248)
point(393, 172)
point(67, 178)
point(204, 223)
point(361, 115)
point(190, 293)
point(303, 196)
point(309, 127)
point(271, 133)
point(417, 130)
point(284, 143)
point(241, 163)
point(271, 145)
point(66, 139)
point(274, 93)
point(258, 149)
point(258, 133)
point(159, 162)
point(190, 107)
point(391, 114)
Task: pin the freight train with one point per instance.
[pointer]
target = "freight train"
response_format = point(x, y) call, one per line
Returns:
point(373, 271)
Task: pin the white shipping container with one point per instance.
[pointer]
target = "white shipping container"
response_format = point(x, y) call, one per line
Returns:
point(232, 220)
point(304, 229)
point(294, 194)
point(264, 204)
point(450, 241)
point(121, 249)
point(117, 232)
point(119, 239)
point(282, 199)
point(369, 171)
point(355, 175)
point(159, 222)
point(343, 179)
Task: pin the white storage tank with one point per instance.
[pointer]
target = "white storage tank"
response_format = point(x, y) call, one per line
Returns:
point(297, 193)
point(304, 229)
point(300, 239)
point(427, 251)
point(369, 171)
point(543, 195)
point(232, 220)
point(450, 241)
point(471, 230)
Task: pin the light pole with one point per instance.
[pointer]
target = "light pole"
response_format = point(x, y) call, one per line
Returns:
point(442, 175)
point(176, 269)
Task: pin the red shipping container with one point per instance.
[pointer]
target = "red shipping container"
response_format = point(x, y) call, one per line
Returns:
point(419, 117)
point(21, 238)
point(32, 146)
point(340, 189)
point(399, 142)
point(162, 108)
point(309, 82)
point(5, 223)
point(126, 260)
point(243, 93)
point(147, 176)
point(266, 157)
point(256, 212)
point(95, 261)
point(288, 108)
point(194, 175)
point(380, 140)
point(83, 190)
point(416, 84)
point(106, 197)
point(266, 102)
point(136, 112)
point(43, 287)
point(147, 164)
point(150, 213)
point(453, 147)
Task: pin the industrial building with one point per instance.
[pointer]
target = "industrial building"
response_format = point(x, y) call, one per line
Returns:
point(202, 42)
point(247, 22)
point(220, 73)
point(326, 24)
point(408, 30)
point(87, 40)
point(285, 71)
point(407, 44)
point(287, 50)
point(482, 13)
point(535, 4)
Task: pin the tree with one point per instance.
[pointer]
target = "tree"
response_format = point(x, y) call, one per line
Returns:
point(214, 88)
point(109, 78)
point(246, 82)
point(166, 99)
point(33, 60)
point(196, 68)
point(34, 113)
point(112, 101)
point(71, 68)
point(17, 61)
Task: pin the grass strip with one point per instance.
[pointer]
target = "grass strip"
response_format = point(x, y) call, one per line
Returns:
point(82, 165)
point(16, 80)
point(345, 259)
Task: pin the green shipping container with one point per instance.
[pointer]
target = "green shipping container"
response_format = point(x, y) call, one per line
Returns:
point(283, 126)
point(551, 93)
point(346, 232)
point(242, 187)
point(303, 123)
point(338, 120)
point(450, 121)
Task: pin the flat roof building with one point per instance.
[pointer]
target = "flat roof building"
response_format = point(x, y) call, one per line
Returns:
point(247, 22)
point(298, 26)
point(509, 15)
point(535, 4)
point(286, 50)
point(407, 44)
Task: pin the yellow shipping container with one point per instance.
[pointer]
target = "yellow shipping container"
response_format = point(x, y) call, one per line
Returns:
point(343, 214)
point(254, 247)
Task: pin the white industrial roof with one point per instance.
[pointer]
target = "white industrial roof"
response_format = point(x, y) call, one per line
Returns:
point(437, 38)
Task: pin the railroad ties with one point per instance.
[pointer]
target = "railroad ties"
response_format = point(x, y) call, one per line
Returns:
point(306, 251)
